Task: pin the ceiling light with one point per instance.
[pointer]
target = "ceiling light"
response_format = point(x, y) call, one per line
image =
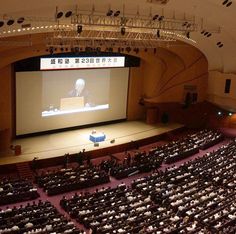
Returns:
point(155, 17)
point(10, 22)
point(229, 4)
point(20, 20)
point(188, 35)
point(224, 2)
point(68, 14)
point(59, 15)
point(122, 31)
point(117, 13)
point(79, 29)
point(109, 13)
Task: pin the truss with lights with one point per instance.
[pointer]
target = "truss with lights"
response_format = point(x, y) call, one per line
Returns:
point(96, 31)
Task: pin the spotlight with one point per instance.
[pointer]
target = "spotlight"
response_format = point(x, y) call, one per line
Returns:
point(224, 2)
point(110, 12)
point(122, 31)
point(59, 15)
point(1, 23)
point(220, 44)
point(206, 33)
point(230, 114)
point(79, 29)
point(158, 33)
point(219, 113)
point(128, 49)
point(188, 35)
point(136, 50)
point(209, 35)
point(155, 17)
point(68, 14)
point(51, 50)
point(10, 22)
point(188, 25)
point(203, 31)
point(76, 49)
point(20, 20)
point(117, 13)
point(229, 4)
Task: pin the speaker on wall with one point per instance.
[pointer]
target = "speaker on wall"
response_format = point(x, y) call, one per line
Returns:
point(227, 85)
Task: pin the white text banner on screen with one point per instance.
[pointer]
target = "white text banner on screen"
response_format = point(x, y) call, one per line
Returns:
point(81, 62)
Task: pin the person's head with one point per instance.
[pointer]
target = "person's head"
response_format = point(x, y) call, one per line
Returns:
point(79, 85)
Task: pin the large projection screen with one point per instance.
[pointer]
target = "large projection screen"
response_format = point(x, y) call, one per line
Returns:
point(49, 100)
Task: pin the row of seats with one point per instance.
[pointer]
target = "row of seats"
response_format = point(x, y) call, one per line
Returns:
point(16, 190)
point(69, 179)
point(197, 197)
point(40, 218)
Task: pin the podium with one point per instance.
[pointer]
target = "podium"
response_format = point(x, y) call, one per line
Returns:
point(97, 137)
point(72, 103)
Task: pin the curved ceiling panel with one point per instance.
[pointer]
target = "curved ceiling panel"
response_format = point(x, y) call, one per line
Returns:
point(209, 15)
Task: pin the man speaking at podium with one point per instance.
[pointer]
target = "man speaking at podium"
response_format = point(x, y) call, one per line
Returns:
point(80, 91)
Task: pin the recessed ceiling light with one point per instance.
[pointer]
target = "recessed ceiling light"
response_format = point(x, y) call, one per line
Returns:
point(224, 2)
point(229, 4)
point(68, 14)
point(59, 15)
point(10, 22)
point(20, 20)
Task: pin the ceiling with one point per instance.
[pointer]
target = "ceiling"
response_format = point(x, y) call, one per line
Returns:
point(209, 15)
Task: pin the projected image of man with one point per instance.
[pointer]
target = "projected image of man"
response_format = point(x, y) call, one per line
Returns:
point(80, 91)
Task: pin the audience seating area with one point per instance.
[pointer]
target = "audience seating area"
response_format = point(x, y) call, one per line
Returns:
point(168, 153)
point(12, 191)
point(197, 197)
point(40, 218)
point(206, 138)
point(69, 179)
point(189, 145)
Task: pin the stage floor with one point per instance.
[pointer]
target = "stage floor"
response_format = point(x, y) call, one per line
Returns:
point(57, 144)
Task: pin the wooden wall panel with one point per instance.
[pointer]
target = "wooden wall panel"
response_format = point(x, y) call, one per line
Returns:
point(6, 114)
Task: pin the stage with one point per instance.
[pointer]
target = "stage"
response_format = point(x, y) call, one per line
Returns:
point(58, 144)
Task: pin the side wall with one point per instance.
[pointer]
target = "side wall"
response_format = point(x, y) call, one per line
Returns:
point(216, 90)
point(6, 101)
